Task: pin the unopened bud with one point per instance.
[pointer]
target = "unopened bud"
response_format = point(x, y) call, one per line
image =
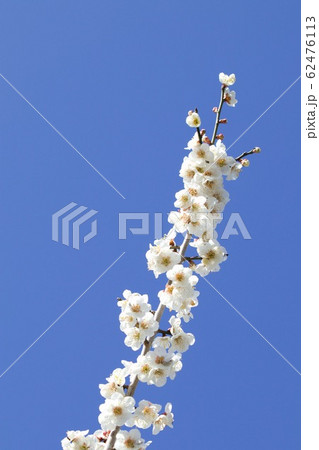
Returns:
point(203, 132)
point(190, 112)
point(215, 109)
point(207, 140)
point(223, 121)
point(245, 162)
point(172, 243)
point(257, 150)
point(220, 136)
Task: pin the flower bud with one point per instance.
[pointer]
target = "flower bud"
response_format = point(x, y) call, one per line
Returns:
point(220, 136)
point(223, 121)
point(215, 109)
point(245, 162)
point(257, 150)
point(193, 120)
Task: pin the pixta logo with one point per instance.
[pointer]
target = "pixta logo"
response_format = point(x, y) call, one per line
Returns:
point(72, 217)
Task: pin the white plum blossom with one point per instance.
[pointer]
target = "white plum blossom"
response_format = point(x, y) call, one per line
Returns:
point(199, 207)
point(230, 97)
point(145, 414)
point(162, 341)
point(234, 171)
point(228, 80)
point(161, 257)
point(201, 153)
point(115, 383)
point(164, 420)
point(212, 255)
point(136, 320)
point(193, 120)
point(148, 325)
point(116, 411)
point(180, 298)
point(180, 275)
point(183, 199)
point(221, 159)
point(134, 338)
point(134, 305)
point(80, 440)
point(180, 341)
point(130, 440)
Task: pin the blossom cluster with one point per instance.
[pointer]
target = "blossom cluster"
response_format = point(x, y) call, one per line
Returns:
point(136, 319)
point(199, 206)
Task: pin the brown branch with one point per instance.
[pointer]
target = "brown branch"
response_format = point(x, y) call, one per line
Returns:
point(250, 152)
point(198, 130)
point(164, 332)
point(221, 101)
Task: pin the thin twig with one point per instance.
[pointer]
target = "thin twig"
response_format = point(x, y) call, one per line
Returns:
point(221, 101)
point(198, 130)
point(250, 152)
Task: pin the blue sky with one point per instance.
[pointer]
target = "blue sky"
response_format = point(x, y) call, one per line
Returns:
point(117, 79)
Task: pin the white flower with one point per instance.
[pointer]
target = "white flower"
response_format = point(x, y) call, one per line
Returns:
point(108, 389)
point(199, 223)
point(180, 275)
point(194, 142)
point(142, 368)
point(148, 325)
point(221, 159)
point(115, 383)
point(230, 97)
point(228, 80)
point(180, 340)
point(165, 419)
point(180, 299)
point(116, 411)
point(188, 169)
point(222, 197)
point(175, 324)
point(136, 305)
point(183, 199)
point(201, 153)
point(193, 120)
point(184, 311)
point(234, 171)
point(145, 414)
point(135, 338)
point(78, 440)
point(162, 341)
point(127, 321)
point(130, 440)
point(160, 259)
point(212, 255)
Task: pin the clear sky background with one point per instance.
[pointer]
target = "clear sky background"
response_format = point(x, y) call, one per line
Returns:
point(117, 79)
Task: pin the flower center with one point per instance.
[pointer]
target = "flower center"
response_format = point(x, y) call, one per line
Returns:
point(117, 411)
point(193, 191)
point(129, 443)
point(211, 254)
point(166, 260)
point(179, 276)
point(136, 308)
point(159, 359)
point(145, 369)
